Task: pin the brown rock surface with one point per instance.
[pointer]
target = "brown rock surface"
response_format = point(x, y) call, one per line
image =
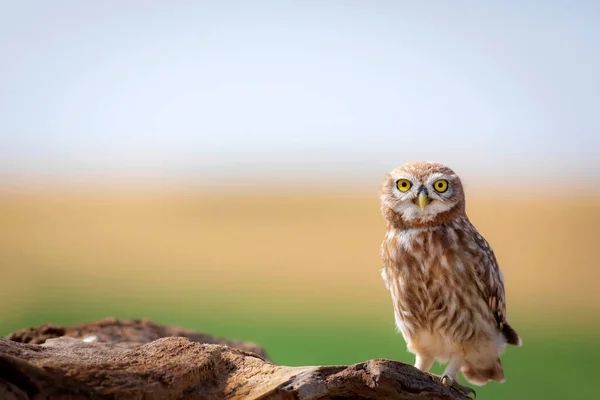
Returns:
point(130, 360)
point(127, 333)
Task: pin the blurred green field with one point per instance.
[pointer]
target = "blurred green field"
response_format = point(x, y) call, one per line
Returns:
point(554, 363)
point(295, 273)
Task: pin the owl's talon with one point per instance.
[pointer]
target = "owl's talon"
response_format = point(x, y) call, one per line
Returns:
point(451, 383)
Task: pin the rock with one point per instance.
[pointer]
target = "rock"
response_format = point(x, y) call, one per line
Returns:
point(130, 360)
point(127, 333)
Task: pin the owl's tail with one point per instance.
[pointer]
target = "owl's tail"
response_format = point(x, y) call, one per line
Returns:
point(480, 375)
point(510, 335)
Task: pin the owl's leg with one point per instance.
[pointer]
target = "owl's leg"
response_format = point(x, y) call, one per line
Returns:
point(424, 362)
point(450, 376)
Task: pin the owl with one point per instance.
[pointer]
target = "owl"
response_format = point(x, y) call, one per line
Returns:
point(447, 289)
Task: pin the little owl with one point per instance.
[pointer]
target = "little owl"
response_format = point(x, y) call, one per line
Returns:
point(447, 289)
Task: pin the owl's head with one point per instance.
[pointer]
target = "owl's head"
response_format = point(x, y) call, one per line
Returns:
point(422, 193)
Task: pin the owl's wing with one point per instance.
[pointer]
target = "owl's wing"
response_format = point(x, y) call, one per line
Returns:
point(491, 286)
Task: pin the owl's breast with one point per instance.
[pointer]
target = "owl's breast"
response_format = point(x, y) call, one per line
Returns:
point(428, 275)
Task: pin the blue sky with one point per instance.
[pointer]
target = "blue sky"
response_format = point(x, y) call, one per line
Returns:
point(335, 90)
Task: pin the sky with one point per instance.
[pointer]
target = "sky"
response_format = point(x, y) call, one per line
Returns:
point(307, 90)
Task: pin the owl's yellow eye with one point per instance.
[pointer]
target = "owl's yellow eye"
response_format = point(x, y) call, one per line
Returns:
point(403, 185)
point(441, 185)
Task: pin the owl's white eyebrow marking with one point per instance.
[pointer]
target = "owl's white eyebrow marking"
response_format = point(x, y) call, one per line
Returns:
point(438, 175)
point(406, 175)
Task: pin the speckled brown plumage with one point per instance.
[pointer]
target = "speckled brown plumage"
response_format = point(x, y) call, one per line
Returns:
point(447, 289)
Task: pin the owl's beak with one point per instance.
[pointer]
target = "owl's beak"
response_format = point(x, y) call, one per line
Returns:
point(422, 200)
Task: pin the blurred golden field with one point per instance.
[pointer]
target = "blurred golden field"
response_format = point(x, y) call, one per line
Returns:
point(308, 247)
